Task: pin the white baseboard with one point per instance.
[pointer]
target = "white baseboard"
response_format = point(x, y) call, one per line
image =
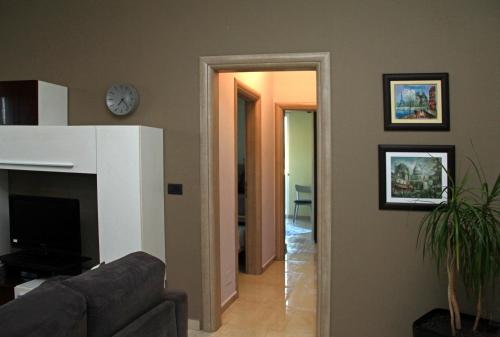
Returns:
point(229, 301)
point(268, 263)
point(300, 217)
point(194, 324)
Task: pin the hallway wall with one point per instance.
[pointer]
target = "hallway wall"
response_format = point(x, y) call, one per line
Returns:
point(262, 83)
point(294, 87)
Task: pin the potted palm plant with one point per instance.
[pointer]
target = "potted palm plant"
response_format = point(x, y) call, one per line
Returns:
point(463, 235)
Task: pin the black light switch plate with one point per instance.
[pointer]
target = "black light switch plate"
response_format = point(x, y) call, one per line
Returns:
point(175, 189)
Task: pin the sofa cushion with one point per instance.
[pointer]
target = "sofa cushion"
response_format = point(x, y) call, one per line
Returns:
point(50, 310)
point(120, 291)
point(158, 322)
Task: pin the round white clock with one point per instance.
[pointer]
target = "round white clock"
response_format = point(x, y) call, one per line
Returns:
point(122, 99)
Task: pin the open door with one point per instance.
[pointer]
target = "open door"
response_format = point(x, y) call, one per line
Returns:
point(280, 173)
point(252, 177)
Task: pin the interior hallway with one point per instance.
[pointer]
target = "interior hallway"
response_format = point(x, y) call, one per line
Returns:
point(282, 301)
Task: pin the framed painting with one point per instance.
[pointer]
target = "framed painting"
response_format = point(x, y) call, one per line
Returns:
point(416, 102)
point(414, 177)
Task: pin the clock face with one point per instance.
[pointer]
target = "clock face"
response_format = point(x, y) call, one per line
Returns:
point(122, 99)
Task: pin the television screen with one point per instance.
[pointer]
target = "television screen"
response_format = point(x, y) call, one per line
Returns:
point(44, 223)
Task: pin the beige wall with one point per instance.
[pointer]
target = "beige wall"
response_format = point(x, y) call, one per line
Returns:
point(294, 87)
point(227, 188)
point(380, 284)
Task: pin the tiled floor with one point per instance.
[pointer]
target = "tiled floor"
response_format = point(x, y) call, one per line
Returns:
point(279, 303)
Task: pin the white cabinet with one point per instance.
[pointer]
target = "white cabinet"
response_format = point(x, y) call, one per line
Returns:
point(33, 103)
point(48, 148)
point(52, 104)
point(128, 162)
point(130, 182)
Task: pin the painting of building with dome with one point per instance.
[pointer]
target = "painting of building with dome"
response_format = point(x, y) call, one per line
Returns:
point(416, 177)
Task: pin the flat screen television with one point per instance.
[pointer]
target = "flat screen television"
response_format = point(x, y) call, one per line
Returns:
point(45, 224)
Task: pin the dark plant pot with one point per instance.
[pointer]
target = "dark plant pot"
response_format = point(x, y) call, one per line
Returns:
point(436, 323)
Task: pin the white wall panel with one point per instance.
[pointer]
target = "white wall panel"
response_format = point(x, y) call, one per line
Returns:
point(52, 104)
point(152, 191)
point(118, 191)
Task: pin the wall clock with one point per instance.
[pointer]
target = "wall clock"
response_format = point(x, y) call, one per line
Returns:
point(122, 99)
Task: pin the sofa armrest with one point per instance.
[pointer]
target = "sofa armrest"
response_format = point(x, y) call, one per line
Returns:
point(179, 297)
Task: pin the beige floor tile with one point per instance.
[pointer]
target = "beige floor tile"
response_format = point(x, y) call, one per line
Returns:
point(289, 333)
point(229, 330)
point(195, 333)
point(279, 303)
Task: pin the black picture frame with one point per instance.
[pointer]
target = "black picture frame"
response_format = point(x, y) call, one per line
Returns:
point(416, 184)
point(432, 108)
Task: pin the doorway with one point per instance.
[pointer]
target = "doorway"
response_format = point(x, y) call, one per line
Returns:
point(300, 173)
point(248, 167)
point(209, 70)
point(286, 191)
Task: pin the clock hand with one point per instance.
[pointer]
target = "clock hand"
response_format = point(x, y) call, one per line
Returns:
point(123, 101)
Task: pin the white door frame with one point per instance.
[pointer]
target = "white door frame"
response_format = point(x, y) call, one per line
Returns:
point(210, 66)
